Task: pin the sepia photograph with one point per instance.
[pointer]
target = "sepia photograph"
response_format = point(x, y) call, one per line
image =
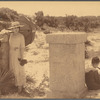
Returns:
point(50, 49)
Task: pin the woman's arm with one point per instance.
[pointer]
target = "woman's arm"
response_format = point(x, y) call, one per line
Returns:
point(22, 46)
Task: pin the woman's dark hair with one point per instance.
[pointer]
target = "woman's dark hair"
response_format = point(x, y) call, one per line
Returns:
point(95, 60)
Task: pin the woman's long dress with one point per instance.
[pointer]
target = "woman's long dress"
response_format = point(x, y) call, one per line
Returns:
point(17, 45)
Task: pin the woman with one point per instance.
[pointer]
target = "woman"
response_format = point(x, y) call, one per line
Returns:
point(17, 46)
point(92, 76)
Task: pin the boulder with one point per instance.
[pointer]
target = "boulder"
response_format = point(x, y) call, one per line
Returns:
point(28, 30)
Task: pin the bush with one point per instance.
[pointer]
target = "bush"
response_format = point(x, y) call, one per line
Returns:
point(74, 23)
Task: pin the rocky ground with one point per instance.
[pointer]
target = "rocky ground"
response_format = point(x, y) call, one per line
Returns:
point(37, 68)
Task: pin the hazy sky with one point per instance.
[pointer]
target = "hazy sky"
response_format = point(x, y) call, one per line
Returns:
point(55, 8)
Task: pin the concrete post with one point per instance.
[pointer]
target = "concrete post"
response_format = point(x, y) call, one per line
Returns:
point(67, 65)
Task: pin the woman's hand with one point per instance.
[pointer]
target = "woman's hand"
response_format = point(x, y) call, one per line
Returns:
point(22, 61)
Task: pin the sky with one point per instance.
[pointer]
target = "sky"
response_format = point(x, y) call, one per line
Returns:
point(55, 8)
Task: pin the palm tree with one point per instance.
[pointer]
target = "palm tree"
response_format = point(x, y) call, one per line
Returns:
point(6, 80)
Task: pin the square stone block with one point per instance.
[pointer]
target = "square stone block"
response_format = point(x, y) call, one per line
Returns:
point(67, 64)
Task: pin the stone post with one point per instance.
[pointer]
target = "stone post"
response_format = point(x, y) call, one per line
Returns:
point(4, 51)
point(67, 65)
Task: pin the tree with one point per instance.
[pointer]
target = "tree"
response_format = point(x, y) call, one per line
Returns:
point(7, 14)
point(39, 18)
